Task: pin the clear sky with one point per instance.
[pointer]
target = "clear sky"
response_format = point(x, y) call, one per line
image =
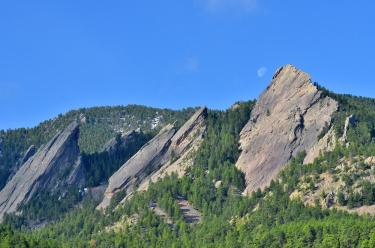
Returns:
point(59, 55)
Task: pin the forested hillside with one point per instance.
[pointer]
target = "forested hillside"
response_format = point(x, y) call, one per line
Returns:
point(99, 125)
point(264, 219)
point(294, 211)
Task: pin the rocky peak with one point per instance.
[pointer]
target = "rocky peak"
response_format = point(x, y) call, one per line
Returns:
point(183, 147)
point(46, 170)
point(150, 157)
point(164, 154)
point(180, 141)
point(287, 119)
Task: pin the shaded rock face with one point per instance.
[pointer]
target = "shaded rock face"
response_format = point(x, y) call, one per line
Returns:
point(287, 119)
point(53, 166)
point(149, 158)
point(154, 159)
point(121, 141)
point(29, 152)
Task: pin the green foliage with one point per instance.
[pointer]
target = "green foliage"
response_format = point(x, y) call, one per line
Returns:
point(99, 166)
point(267, 218)
point(44, 206)
point(101, 124)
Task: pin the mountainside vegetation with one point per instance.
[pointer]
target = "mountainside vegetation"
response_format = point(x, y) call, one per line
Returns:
point(100, 124)
point(274, 217)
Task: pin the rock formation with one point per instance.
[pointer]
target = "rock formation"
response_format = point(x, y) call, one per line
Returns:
point(349, 121)
point(184, 145)
point(325, 144)
point(46, 169)
point(160, 156)
point(149, 158)
point(287, 119)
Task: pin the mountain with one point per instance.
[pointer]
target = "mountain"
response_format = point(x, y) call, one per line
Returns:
point(160, 156)
point(287, 119)
point(294, 168)
point(100, 124)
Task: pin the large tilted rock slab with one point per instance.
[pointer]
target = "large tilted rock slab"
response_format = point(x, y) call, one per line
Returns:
point(287, 119)
point(149, 158)
point(46, 170)
point(168, 152)
point(184, 146)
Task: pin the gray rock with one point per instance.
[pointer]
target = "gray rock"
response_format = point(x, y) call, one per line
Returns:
point(349, 121)
point(182, 150)
point(287, 119)
point(326, 144)
point(185, 135)
point(149, 158)
point(156, 158)
point(55, 165)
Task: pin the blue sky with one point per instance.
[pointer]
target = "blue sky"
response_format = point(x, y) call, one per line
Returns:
point(59, 55)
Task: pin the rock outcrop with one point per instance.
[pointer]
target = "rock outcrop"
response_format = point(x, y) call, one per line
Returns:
point(287, 119)
point(149, 158)
point(164, 154)
point(53, 166)
point(325, 144)
point(349, 121)
point(184, 145)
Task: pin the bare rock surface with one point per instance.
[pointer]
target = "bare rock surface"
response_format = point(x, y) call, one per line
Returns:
point(287, 119)
point(46, 170)
point(170, 151)
point(325, 144)
point(149, 158)
point(184, 145)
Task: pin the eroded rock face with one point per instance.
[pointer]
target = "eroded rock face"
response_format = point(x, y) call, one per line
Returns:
point(46, 169)
point(287, 119)
point(166, 153)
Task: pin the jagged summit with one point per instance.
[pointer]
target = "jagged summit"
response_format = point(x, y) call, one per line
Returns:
point(287, 119)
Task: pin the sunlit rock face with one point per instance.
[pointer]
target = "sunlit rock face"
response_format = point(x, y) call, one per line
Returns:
point(287, 119)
